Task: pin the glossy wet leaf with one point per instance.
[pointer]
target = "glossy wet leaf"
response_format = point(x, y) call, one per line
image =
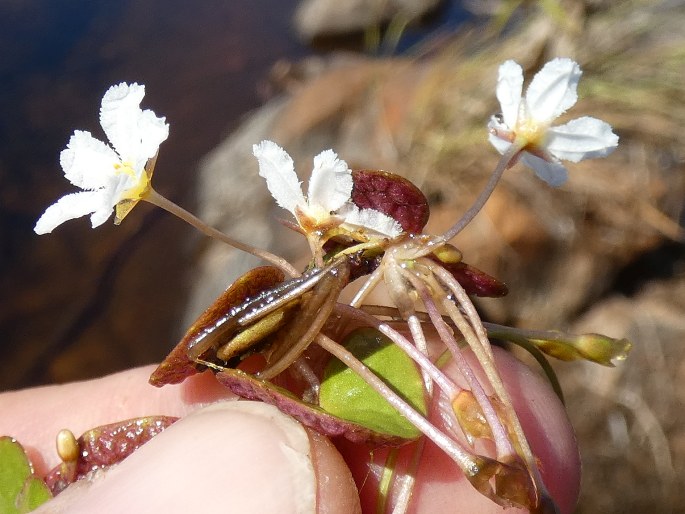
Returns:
point(315, 310)
point(20, 490)
point(250, 388)
point(392, 195)
point(177, 366)
point(106, 445)
point(346, 395)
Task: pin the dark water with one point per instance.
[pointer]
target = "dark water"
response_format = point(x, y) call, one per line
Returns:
point(80, 302)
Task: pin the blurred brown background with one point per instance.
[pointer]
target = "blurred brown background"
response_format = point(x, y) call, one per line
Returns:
point(604, 253)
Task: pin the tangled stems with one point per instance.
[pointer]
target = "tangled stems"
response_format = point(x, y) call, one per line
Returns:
point(513, 484)
point(504, 448)
point(477, 469)
point(490, 370)
point(410, 276)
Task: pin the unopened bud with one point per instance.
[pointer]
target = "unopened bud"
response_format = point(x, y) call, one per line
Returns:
point(592, 347)
point(67, 446)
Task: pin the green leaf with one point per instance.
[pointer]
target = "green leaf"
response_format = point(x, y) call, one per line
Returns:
point(344, 394)
point(20, 490)
point(34, 494)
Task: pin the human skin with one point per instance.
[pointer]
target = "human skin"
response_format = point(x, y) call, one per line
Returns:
point(249, 457)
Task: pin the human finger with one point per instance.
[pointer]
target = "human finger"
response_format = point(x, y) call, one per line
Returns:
point(231, 456)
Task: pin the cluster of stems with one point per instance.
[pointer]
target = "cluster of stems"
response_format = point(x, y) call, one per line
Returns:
point(424, 291)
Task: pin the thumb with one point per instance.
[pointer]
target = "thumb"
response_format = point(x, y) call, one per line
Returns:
point(241, 456)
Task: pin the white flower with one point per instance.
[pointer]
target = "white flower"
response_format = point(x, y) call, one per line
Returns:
point(328, 194)
point(356, 218)
point(109, 177)
point(527, 121)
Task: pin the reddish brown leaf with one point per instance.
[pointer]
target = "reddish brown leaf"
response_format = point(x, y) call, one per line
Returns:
point(250, 388)
point(177, 366)
point(106, 445)
point(392, 195)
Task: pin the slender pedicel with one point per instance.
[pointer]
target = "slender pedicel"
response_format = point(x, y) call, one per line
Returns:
point(420, 341)
point(368, 286)
point(505, 162)
point(155, 198)
point(466, 460)
point(500, 436)
point(494, 378)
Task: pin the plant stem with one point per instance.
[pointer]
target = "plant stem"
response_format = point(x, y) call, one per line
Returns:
point(155, 198)
point(488, 366)
point(505, 162)
point(466, 460)
point(499, 433)
point(448, 387)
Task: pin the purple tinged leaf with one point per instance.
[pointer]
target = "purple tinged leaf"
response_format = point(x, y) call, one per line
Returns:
point(474, 281)
point(250, 388)
point(392, 195)
point(106, 445)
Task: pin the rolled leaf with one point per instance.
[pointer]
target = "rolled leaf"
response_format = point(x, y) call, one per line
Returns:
point(177, 366)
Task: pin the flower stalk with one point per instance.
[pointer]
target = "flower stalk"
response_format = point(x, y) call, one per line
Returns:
point(162, 202)
point(381, 236)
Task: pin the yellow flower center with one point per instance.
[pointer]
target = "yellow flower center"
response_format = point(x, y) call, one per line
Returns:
point(141, 185)
point(133, 195)
point(531, 133)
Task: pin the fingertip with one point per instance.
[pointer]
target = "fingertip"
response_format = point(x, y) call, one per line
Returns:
point(34, 416)
point(336, 490)
point(244, 456)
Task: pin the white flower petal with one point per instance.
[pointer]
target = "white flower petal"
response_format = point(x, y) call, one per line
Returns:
point(153, 132)
point(69, 207)
point(276, 166)
point(370, 219)
point(553, 90)
point(134, 134)
point(553, 173)
point(330, 185)
point(582, 138)
point(87, 162)
point(509, 88)
point(494, 127)
point(119, 113)
point(101, 215)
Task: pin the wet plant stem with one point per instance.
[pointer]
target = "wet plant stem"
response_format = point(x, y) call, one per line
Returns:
point(158, 200)
point(499, 433)
point(368, 286)
point(493, 377)
point(421, 344)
